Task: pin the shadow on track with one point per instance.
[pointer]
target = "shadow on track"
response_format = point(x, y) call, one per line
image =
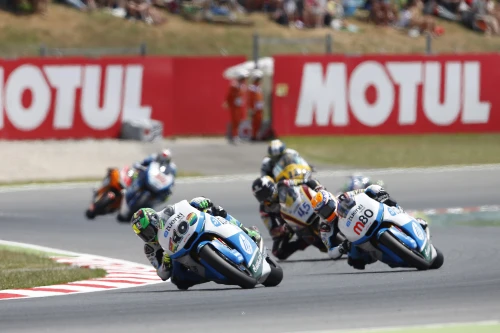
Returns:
point(366, 272)
point(307, 260)
point(178, 291)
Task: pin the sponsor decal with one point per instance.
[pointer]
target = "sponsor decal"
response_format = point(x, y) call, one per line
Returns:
point(192, 218)
point(258, 262)
point(386, 94)
point(418, 230)
point(173, 220)
point(245, 244)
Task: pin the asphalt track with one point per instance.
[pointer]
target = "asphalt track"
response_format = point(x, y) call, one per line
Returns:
point(316, 293)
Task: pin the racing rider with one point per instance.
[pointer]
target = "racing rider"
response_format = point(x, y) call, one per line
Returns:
point(146, 222)
point(275, 150)
point(265, 190)
point(326, 205)
point(163, 157)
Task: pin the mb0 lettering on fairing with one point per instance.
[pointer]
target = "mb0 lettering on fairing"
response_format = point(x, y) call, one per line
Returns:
point(121, 90)
point(327, 98)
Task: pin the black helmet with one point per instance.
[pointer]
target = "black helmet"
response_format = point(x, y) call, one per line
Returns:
point(264, 189)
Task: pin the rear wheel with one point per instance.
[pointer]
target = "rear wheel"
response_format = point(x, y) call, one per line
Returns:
point(407, 255)
point(276, 276)
point(232, 273)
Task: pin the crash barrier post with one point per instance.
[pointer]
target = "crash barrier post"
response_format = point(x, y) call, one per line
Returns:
point(385, 94)
point(92, 52)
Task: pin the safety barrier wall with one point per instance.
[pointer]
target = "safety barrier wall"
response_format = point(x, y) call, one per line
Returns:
point(71, 98)
point(386, 94)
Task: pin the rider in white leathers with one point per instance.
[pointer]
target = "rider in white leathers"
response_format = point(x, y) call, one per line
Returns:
point(326, 205)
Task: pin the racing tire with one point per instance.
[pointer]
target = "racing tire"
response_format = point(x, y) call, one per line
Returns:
point(90, 214)
point(438, 261)
point(232, 273)
point(276, 276)
point(407, 255)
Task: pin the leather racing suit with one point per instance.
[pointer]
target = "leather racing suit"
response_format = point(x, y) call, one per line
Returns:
point(267, 165)
point(179, 274)
point(270, 213)
point(171, 168)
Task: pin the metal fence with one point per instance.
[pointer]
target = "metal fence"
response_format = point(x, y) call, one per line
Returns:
point(45, 51)
point(327, 41)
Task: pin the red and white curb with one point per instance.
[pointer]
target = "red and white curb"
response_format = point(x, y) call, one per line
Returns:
point(120, 274)
point(456, 210)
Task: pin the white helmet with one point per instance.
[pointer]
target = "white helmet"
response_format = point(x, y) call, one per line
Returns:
point(165, 156)
point(257, 74)
point(242, 74)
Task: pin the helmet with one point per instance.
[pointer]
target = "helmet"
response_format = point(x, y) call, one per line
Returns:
point(257, 74)
point(264, 189)
point(325, 205)
point(164, 157)
point(242, 74)
point(275, 149)
point(146, 223)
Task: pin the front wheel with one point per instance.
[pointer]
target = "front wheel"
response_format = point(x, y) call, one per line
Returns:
point(276, 276)
point(407, 255)
point(232, 273)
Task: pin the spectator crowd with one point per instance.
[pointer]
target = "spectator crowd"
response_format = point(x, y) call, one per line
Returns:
point(417, 16)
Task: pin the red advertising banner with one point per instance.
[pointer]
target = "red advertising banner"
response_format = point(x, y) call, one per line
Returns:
point(386, 94)
point(72, 98)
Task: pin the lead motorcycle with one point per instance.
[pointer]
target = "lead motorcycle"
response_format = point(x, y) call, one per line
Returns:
point(217, 250)
point(152, 181)
point(388, 234)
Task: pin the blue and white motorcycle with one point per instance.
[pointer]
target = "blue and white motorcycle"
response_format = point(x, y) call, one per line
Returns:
point(388, 234)
point(152, 185)
point(216, 249)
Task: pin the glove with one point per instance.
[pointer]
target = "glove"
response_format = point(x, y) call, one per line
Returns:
point(345, 247)
point(201, 203)
point(166, 261)
point(219, 211)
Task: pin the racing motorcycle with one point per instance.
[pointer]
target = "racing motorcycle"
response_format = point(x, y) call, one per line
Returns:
point(297, 211)
point(107, 198)
point(151, 182)
point(217, 250)
point(388, 234)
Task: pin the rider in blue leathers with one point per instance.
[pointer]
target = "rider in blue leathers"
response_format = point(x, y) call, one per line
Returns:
point(164, 158)
point(148, 221)
point(326, 205)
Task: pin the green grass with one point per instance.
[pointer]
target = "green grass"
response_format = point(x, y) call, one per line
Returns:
point(399, 151)
point(27, 270)
point(27, 250)
point(67, 27)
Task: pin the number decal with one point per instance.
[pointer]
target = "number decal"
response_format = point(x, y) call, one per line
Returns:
point(366, 215)
point(304, 209)
point(181, 230)
point(183, 227)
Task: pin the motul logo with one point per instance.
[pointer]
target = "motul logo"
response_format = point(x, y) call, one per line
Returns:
point(326, 99)
point(100, 104)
